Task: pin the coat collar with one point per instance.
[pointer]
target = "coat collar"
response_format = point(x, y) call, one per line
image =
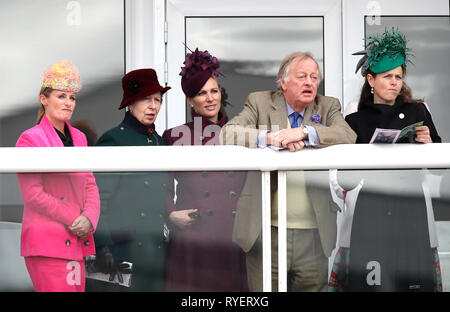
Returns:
point(382, 108)
point(134, 124)
point(53, 137)
point(279, 115)
point(206, 122)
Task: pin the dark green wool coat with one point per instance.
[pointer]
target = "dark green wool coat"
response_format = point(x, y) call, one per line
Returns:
point(132, 210)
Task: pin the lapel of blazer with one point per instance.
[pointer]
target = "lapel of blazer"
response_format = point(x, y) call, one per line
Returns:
point(76, 137)
point(51, 134)
point(53, 137)
point(278, 116)
point(312, 109)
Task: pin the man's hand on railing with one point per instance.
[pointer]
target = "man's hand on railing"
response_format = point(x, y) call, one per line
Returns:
point(289, 138)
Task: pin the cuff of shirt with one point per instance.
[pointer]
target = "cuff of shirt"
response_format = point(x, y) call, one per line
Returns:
point(262, 139)
point(313, 137)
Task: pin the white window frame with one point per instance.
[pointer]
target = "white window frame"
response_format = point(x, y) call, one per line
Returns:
point(145, 43)
point(177, 10)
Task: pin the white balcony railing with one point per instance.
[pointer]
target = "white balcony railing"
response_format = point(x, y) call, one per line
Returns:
point(194, 158)
point(211, 158)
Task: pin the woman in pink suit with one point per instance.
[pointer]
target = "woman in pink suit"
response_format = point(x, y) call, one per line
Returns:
point(61, 211)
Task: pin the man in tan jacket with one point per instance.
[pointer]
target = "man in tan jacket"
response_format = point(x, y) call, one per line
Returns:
point(292, 117)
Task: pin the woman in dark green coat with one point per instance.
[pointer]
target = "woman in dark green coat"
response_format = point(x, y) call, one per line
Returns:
point(131, 226)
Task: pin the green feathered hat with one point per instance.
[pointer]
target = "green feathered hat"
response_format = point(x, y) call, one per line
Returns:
point(384, 52)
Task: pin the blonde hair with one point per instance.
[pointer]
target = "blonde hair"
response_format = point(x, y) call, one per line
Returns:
point(45, 91)
point(285, 67)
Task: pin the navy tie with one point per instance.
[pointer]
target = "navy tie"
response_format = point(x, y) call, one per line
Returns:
point(294, 122)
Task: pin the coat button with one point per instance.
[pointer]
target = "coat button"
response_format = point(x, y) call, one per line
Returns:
point(146, 183)
point(210, 213)
point(204, 174)
point(86, 243)
point(142, 214)
point(207, 194)
point(63, 198)
point(122, 128)
point(389, 213)
point(233, 213)
point(232, 194)
point(67, 242)
point(230, 174)
point(139, 244)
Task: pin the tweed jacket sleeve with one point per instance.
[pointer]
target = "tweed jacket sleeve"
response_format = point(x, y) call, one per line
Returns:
point(244, 128)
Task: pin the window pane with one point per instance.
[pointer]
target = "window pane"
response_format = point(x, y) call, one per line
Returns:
point(250, 50)
point(396, 222)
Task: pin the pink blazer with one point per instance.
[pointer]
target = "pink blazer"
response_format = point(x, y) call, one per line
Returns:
point(52, 201)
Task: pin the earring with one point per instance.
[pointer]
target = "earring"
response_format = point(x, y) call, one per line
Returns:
point(371, 90)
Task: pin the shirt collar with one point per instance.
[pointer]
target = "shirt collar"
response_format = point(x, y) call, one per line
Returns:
point(290, 110)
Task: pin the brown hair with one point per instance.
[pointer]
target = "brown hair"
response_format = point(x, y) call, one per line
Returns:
point(366, 97)
point(46, 92)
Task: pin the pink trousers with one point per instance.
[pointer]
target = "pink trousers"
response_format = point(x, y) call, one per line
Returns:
point(56, 275)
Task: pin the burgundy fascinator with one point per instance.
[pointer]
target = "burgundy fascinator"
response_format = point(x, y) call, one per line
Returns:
point(199, 66)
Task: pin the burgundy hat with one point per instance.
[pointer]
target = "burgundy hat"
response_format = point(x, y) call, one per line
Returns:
point(138, 84)
point(199, 67)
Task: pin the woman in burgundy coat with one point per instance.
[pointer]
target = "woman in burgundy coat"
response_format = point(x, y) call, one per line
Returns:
point(202, 256)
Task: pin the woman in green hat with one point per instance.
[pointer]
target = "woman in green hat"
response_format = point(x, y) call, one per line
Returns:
point(389, 242)
point(386, 101)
